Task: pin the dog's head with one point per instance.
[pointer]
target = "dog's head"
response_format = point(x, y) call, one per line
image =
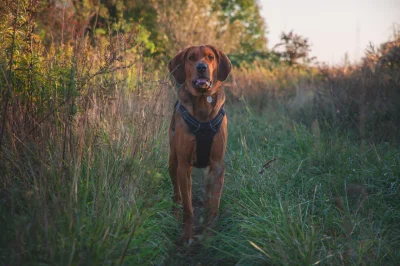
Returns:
point(200, 68)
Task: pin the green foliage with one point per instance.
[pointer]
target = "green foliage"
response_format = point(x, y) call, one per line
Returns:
point(25, 79)
point(240, 59)
point(235, 26)
point(246, 12)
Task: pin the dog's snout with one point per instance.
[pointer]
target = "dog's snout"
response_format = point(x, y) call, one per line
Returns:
point(201, 67)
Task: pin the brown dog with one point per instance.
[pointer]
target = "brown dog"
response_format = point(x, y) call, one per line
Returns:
point(198, 129)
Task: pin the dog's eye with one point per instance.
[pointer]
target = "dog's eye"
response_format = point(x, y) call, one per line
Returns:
point(210, 57)
point(191, 57)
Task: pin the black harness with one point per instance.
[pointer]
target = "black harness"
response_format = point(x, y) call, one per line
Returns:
point(203, 131)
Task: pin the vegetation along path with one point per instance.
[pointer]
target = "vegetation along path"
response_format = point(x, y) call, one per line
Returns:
point(326, 199)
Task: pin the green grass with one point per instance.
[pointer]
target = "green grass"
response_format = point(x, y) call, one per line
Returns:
point(287, 215)
point(115, 208)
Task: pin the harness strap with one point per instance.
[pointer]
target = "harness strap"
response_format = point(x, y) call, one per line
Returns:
point(204, 133)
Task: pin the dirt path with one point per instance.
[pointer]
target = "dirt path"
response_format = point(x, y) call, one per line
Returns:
point(190, 255)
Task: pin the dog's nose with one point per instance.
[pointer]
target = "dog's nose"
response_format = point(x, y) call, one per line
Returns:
point(201, 67)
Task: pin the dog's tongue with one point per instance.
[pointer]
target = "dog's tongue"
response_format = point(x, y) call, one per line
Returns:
point(201, 81)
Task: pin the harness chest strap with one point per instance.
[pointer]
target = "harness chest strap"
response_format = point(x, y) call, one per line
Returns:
point(204, 133)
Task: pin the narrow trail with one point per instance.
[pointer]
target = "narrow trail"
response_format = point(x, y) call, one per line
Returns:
point(182, 255)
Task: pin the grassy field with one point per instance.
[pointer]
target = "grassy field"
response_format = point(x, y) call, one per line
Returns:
point(297, 211)
point(327, 199)
point(313, 159)
point(289, 214)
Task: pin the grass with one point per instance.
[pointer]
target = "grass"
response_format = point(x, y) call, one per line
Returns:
point(288, 215)
point(116, 207)
point(84, 147)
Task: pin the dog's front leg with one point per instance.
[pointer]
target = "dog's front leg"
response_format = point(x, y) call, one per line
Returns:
point(173, 168)
point(185, 185)
point(215, 182)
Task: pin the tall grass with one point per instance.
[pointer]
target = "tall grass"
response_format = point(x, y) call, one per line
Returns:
point(361, 98)
point(80, 157)
point(81, 189)
point(291, 212)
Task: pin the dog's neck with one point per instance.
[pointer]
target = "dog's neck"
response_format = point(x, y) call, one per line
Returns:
point(199, 107)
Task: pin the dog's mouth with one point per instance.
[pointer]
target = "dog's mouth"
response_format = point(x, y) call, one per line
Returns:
point(202, 84)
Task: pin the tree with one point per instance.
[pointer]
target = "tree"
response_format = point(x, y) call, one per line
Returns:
point(242, 17)
point(235, 26)
point(295, 48)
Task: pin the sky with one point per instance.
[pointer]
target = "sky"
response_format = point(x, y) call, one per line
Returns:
point(331, 26)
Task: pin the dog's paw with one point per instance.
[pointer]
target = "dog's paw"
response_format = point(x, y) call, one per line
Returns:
point(185, 240)
point(187, 234)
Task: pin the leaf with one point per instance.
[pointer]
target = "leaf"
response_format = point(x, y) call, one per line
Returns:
point(258, 248)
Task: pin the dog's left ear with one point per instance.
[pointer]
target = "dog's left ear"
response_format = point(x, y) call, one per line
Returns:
point(224, 64)
point(177, 67)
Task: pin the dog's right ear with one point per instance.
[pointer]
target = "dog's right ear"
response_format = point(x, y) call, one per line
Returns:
point(177, 67)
